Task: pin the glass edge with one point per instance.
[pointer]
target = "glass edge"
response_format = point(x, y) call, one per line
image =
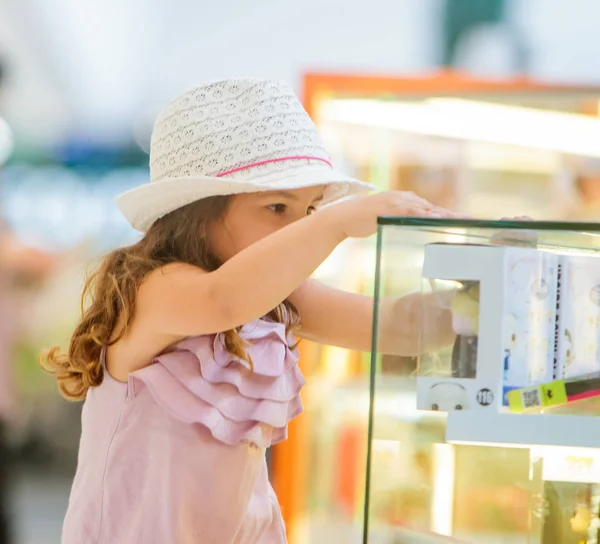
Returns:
point(372, 378)
point(487, 224)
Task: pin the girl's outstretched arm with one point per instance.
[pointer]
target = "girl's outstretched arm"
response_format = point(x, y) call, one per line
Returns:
point(183, 300)
point(335, 317)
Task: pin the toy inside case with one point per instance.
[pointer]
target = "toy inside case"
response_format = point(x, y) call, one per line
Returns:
point(522, 317)
point(465, 323)
point(503, 315)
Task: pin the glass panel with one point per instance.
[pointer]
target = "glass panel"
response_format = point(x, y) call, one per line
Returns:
point(481, 318)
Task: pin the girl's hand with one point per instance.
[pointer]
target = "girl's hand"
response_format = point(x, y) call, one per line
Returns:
point(357, 217)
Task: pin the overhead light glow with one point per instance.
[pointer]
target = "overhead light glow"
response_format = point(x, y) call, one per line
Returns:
point(474, 121)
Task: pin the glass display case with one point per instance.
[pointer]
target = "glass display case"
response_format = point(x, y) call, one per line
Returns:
point(493, 436)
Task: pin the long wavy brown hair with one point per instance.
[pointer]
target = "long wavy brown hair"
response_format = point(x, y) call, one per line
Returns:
point(109, 297)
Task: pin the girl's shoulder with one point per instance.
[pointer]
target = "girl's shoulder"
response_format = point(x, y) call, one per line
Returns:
point(181, 300)
point(199, 381)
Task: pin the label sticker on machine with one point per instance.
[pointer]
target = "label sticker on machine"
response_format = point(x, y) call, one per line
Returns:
point(536, 397)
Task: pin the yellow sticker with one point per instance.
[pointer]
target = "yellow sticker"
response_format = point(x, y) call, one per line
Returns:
point(540, 396)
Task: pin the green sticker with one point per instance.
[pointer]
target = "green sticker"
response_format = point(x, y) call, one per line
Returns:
point(540, 396)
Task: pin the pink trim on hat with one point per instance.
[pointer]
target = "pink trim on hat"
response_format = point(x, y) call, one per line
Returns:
point(280, 159)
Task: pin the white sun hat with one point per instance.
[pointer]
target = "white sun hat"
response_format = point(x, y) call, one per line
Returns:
point(230, 137)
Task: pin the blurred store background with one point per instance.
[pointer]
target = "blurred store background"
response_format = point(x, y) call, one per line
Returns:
point(489, 106)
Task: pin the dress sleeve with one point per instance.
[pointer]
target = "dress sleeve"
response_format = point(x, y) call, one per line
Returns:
point(201, 383)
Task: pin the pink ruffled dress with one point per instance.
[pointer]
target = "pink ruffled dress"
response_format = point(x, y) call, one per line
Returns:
point(177, 454)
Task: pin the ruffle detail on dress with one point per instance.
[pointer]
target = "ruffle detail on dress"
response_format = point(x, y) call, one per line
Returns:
point(200, 382)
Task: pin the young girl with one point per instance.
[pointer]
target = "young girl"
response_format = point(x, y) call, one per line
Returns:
point(184, 353)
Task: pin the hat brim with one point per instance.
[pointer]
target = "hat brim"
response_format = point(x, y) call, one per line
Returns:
point(143, 205)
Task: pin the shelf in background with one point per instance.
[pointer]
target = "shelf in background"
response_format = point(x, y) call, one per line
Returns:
point(522, 430)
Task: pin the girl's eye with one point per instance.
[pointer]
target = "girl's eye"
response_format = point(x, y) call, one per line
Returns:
point(278, 208)
point(311, 209)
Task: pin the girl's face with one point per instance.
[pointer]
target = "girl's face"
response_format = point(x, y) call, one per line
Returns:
point(252, 216)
